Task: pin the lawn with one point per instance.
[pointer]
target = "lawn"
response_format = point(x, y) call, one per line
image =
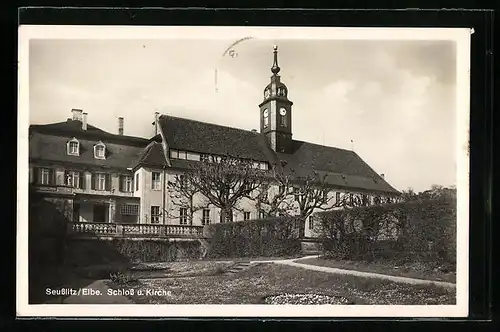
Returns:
point(415, 270)
point(252, 285)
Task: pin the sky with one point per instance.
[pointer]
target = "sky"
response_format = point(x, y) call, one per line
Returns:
point(395, 100)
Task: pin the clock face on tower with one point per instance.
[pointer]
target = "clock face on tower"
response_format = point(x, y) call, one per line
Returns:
point(282, 111)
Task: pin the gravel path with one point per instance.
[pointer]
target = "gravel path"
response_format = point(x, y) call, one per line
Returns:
point(406, 280)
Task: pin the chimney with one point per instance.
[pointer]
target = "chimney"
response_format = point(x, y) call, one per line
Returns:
point(157, 114)
point(77, 114)
point(84, 121)
point(120, 125)
point(382, 175)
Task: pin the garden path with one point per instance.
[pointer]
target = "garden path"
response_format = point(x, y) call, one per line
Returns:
point(406, 280)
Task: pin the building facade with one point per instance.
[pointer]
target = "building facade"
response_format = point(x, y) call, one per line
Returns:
point(117, 179)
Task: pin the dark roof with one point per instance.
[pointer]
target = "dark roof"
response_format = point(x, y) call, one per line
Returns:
point(152, 155)
point(202, 137)
point(74, 128)
point(53, 148)
point(342, 168)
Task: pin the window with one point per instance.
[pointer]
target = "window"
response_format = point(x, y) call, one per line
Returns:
point(205, 158)
point(100, 151)
point(174, 154)
point(193, 156)
point(155, 214)
point(265, 114)
point(311, 222)
point(155, 184)
point(183, 216)
point(136, 181)
point(73, 147)
point(130, 210)
point(229, 217)
point(182, 182)
point(376, 200)
point(283, 120)
point(206, 217)
point(73, 179)
point(365, 200)
point(45, 176)
point(182, 155)
point(263, 166)
point(100, 182)
point(337, 197)
point(127, 184)
point(296, 193)
point(246, 215)
point(262, 215)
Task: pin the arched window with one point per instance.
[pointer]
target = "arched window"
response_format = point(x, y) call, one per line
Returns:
point(73, 147)
point(100, 151)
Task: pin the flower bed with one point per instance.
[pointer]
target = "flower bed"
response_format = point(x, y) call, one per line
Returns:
point(306, 299)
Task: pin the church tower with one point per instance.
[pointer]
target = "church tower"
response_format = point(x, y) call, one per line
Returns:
point(276, 112)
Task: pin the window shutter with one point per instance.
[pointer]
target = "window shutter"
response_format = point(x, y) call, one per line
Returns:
point(121, 183)
point(92, 182)
point(65, 179)
point(108, 182)
point(36, 171)
point(52, 176)
point(81, 175)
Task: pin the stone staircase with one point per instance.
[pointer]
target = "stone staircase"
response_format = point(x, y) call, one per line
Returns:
point(238, 267)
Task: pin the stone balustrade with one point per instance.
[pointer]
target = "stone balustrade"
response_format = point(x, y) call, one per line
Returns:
point(134, 230)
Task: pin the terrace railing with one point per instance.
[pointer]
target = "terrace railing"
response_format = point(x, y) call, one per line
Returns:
point(134, 230)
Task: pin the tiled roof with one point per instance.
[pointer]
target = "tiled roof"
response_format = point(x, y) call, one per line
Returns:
point(152, 155)
point(48, 142)
point(202, 137)
point(342, 168)
point(74, 128)
point(53, 148)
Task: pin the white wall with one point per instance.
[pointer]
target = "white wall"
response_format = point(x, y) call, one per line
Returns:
point(149, 197)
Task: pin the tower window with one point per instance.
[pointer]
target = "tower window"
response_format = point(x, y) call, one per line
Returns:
point(266, 117)
point(283, 120)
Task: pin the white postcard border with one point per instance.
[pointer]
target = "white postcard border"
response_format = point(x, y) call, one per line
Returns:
point(460, 35)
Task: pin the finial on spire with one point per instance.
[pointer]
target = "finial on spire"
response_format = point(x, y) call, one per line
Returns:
point(275, 69)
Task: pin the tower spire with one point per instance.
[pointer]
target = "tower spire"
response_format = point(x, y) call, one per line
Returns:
point(275, 69)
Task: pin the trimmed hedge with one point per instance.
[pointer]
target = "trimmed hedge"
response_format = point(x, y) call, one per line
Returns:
point(255, 238)
point(409, 231)
point(82, 252)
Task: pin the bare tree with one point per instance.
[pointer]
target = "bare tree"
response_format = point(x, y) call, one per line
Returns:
point(224, 181)
point(183, 193)
point(271, 197)
point(311, 193)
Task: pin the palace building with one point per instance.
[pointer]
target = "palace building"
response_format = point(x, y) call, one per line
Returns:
point(114, 179)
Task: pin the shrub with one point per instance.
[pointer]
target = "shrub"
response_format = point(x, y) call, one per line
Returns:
point(409, 231)
point(122, 278)
point(252, 238)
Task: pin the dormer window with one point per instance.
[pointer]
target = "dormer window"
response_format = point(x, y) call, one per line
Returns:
point(100, 151)
point(73, 147)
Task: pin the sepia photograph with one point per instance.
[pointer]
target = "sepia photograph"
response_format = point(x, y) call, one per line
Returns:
point(236, 171)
